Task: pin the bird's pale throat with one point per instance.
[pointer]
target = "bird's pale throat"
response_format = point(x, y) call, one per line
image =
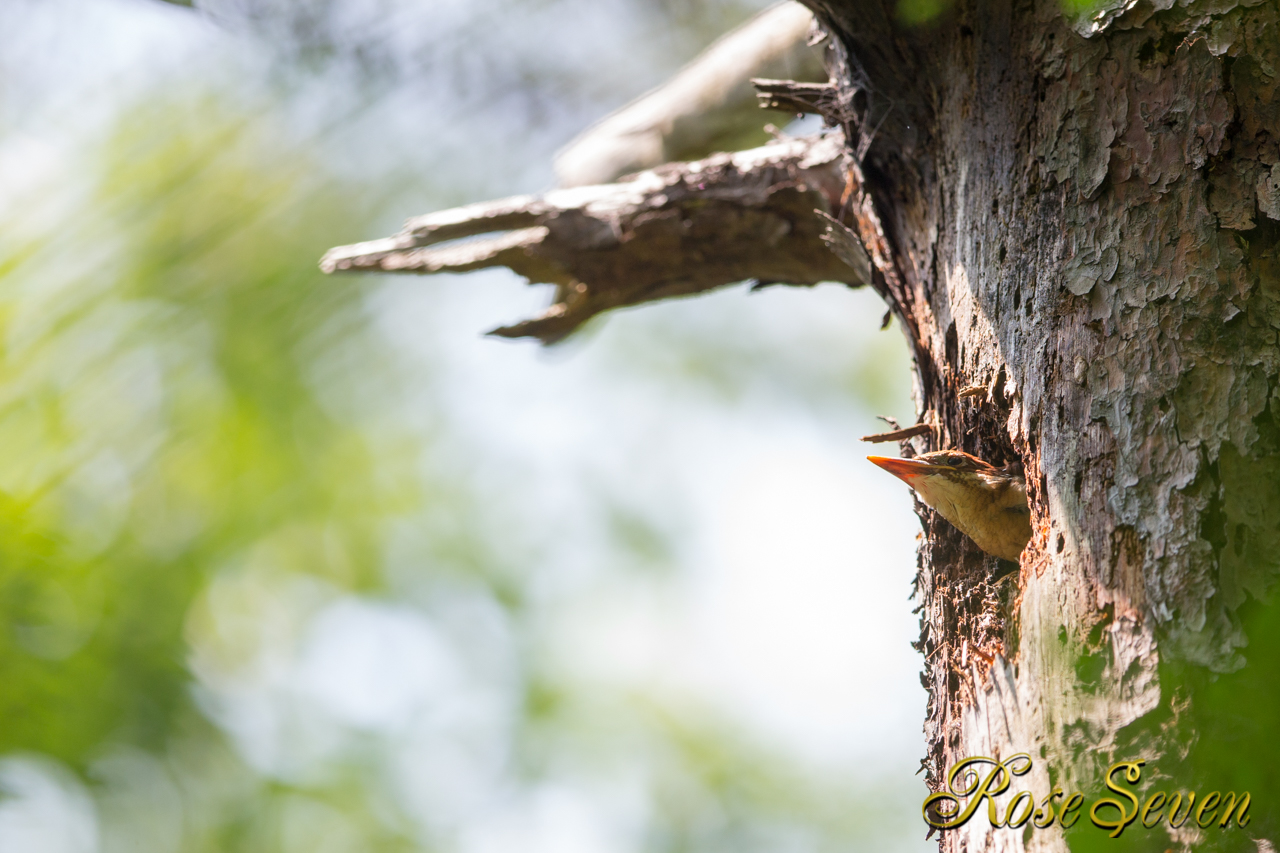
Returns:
point(986, 503)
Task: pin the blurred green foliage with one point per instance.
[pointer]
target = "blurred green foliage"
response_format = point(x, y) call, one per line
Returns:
point(914, 13)
point(198, 425)
point(919, 12)
point(161, 420)
point(1081, 8)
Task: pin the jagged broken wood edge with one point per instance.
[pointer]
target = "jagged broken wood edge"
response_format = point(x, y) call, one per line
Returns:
point(798, 97)
point(708, 106)
point(770, 214)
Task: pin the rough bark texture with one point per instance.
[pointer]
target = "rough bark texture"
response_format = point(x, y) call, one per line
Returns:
point(708, 106)
point(1078, 215)
point(1077, 220)
point(762, 215)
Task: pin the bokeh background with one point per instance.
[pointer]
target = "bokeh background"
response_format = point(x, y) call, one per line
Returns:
point(296, 563)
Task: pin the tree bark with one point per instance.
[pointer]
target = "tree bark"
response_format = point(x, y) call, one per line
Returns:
point(708, 106)
point(764, 215)
point(1075, 219)
point(1077, 213)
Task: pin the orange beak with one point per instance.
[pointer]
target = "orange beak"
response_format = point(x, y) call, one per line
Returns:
point(904, 469)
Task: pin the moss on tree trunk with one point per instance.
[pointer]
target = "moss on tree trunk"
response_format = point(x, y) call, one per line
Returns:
point(1079, 215)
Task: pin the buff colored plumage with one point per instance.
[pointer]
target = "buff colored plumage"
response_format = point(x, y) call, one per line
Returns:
point(985, 503)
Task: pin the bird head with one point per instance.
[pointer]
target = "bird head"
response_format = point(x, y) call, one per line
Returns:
point(986, 503)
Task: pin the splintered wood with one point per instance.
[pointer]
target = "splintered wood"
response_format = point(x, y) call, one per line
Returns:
point(683, 228)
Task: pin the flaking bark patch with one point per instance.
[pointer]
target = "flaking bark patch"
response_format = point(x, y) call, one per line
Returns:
point(1078, 214)
point(680, 229)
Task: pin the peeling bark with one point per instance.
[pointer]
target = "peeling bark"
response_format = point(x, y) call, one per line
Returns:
point(685, 228)
point(1077, 214)
point(708, 106)
point(1077, 220)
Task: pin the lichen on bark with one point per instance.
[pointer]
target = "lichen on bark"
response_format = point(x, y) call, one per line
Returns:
point(1079, 211)
point(1079, 214)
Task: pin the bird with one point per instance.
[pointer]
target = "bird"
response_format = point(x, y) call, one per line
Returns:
point(985, 503)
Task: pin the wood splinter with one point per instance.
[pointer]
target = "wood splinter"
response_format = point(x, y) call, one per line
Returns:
point(677, 230)
point(899, 434)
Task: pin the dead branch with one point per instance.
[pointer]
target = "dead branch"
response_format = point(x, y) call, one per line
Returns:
point(708, 106)
point(681, 229)
point(793, 97)
point(899, 434)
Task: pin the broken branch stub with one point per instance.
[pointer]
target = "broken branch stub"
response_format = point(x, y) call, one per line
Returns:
point(791, 96)
point(708, 106)
point(676, 230)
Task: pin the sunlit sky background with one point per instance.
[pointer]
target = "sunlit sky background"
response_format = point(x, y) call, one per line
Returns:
point(689, 540)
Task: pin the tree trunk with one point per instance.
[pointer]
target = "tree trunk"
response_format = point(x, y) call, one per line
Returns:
point(1077, 214)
